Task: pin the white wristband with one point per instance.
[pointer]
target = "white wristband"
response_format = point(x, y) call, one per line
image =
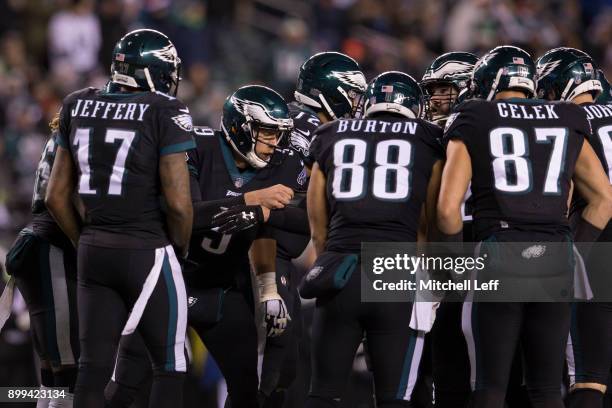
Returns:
point(267, 286)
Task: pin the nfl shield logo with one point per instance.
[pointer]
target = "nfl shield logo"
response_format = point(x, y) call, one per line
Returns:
point(518, 60)
point(238, 182)
point(588, 67)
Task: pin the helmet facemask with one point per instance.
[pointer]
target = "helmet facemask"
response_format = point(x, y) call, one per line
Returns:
point(435, 100)
point(256, 132)
point(260, 133)
point(336, 105)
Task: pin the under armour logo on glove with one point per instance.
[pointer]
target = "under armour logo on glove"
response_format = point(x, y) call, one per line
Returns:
point(276, 316)
point(237, 218)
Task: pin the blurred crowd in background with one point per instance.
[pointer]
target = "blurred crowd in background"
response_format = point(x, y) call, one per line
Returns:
point(49, 48)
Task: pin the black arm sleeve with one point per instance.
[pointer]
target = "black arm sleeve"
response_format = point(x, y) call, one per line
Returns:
point(203, 211)
point(291, 219)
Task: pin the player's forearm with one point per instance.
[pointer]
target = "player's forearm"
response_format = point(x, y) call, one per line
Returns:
point(318, 242)
point(263, 256)
point(65, 215)
point(316, 203)
point(449, 219)
point(179, 227)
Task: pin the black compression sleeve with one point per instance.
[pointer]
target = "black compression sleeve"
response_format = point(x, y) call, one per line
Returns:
point(291, 219)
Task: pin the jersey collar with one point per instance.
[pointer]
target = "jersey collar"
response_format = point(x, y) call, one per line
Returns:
point(239, 178)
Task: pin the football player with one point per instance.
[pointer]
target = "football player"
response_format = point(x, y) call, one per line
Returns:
point(568, 74)
point(330, 85)
point(370, 181)
point(443, 81)
point(520, 156)
point(125, 147)
point(448, 76)
point(239, 161)
point(43, 263)
point(238, 175)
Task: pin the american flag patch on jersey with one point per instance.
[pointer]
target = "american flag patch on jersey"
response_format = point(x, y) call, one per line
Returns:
point(120, 57)
point(518, 60)
point(386, 88)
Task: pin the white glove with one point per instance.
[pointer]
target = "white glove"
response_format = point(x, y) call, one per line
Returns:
point(275, 311)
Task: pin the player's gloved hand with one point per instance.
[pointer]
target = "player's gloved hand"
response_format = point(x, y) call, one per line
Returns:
point(274, 310)
point(239, 218)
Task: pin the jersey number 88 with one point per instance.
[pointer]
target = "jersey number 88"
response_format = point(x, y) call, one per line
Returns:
point(391, 176)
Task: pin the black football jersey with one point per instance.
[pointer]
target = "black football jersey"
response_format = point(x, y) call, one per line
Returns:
point(466, 209)
point(305, 121)
point(523, 154)
point(116, 140)
point(600, 118)
point(377, 173)
point(223, 256)
point(43, 223)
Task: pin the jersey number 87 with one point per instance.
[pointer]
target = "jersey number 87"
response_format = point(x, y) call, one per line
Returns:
point(511, 164)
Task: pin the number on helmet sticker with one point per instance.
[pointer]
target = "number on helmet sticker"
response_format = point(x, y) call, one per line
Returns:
point(391, 176)
point(511, 165)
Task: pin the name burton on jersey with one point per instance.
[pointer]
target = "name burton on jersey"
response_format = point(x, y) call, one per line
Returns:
point(514, 111)
point(109, 110)
point(377, 126)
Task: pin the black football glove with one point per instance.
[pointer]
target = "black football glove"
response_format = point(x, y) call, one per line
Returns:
point(238, 218)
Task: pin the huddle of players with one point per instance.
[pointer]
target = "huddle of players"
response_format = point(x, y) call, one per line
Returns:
point(233, 200)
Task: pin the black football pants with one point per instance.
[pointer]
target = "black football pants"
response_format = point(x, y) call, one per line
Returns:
point(493, 331)
point(279, 363)
point(149, 282)
point(339, 324)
